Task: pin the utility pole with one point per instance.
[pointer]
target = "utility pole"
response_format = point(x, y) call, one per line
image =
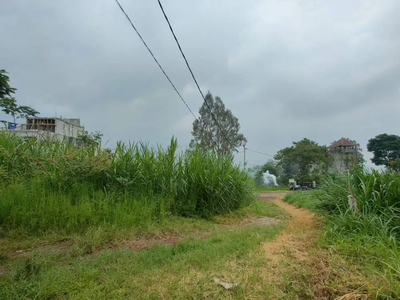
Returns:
point(244, 157)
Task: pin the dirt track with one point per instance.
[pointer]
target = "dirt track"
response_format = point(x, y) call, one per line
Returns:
point(291, 253)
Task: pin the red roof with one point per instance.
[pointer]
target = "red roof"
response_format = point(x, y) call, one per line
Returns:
point(342, 142)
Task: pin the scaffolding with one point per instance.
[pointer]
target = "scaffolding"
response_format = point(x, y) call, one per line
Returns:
point(45, 124)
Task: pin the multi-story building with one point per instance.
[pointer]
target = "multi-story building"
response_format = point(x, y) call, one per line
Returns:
point(48, 128)
point(344, 155)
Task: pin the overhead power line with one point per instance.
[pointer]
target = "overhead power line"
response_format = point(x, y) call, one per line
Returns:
point(187, 64)
point(155, 59)
point(259, 152)
point(191, 72)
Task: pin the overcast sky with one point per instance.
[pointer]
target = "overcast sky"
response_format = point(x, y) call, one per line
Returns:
point(287, 69)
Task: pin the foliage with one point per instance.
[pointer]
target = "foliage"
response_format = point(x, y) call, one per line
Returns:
point(5, 88)
point(9, 104)
point(257, 172)
point(376, 192)
point(394, 165)
point(76, 188)
point(271, 167)
point(369, 240)
point(306, 199)
point(90, 139)
point(10, 107)
point(208, 136)
point(385, 148)
point(305, 161)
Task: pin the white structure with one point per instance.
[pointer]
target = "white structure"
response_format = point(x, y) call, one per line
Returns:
point(270, 179)
point(50, 128)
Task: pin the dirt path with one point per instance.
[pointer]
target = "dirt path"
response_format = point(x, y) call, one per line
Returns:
point(299, 234)
point(295, 263)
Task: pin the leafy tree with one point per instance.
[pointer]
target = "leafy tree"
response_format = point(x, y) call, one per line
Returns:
point(8, 103)
point(305, 161)
point(257, 174)
point(271, 167)
point(385, 148)
point(222, 139)
point(91, 139)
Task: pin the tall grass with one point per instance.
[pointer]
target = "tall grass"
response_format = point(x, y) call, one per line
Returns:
point(369, 238)
point(376, 192)
point(55, 186)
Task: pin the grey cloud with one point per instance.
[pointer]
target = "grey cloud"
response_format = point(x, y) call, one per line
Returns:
point(287, 69)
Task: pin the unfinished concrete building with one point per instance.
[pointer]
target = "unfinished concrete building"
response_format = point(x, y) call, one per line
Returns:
point(60, 129)
point(344, 154)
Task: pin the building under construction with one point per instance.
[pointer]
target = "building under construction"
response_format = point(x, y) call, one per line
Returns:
point(60, 129)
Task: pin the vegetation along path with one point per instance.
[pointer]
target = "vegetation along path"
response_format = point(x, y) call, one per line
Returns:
point(249, 251)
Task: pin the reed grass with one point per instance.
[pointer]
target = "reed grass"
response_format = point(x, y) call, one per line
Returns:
point(54, 186)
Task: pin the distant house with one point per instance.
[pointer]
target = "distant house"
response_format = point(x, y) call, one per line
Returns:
point(344, 154)
point(60, 129)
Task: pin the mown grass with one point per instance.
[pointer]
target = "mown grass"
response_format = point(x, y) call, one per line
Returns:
point(183, 271)
point(369, 239)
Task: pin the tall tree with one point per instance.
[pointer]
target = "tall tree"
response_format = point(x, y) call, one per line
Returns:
point(222, 138)
point(304, 161)
point(385, 148)
point(8, 103)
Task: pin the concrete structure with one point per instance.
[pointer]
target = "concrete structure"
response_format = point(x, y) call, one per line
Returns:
point(344, 154)
point(49, 128)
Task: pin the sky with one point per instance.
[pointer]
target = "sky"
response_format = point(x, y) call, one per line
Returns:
point(287, 69)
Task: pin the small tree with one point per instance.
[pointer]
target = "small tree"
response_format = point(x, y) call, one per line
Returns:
point(222, 139)
point(91, 139)
point(9, 104)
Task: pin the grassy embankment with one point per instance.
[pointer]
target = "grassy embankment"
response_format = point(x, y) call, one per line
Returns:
point(61, 208)
point(363, 248)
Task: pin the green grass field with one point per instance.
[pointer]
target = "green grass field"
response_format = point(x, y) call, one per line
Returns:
point(46, 269)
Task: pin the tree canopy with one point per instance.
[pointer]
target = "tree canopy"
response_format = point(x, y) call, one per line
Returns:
point(304, 161)
point(257, 172)
point(222, 138)
point(385, 149)
point(8, 104)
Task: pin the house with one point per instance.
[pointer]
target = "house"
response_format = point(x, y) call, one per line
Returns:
point(48, 128)
point(344, 155)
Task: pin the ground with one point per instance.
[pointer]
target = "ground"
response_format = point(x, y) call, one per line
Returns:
point(270, 251)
